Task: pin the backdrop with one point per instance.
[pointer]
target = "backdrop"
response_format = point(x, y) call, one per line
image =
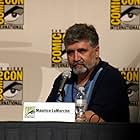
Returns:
point(26, 43)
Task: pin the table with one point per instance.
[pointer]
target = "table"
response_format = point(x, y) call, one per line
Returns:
point(68, 131)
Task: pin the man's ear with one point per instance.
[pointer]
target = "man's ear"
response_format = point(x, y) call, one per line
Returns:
point(97, 51)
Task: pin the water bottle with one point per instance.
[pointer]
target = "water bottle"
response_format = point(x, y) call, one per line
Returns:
point(81, 105)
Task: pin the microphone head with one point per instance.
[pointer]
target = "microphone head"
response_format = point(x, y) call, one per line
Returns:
point(66, 74)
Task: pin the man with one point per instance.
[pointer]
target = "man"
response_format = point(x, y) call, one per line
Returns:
point(104, 85)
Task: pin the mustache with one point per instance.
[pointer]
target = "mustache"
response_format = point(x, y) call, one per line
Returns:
point(78, 63)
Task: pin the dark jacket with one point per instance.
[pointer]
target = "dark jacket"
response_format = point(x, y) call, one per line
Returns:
point(109, 99)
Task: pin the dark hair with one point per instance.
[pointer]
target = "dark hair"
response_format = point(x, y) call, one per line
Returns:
point(79, 32)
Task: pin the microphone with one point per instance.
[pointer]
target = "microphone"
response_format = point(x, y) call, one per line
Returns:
point(65, 76)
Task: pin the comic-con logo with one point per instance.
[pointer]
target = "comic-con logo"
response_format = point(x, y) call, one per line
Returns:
point(11, 86)
point(11, 14)
point(30, 112)
point(58, 58)
point(125, 14)
point(131, 75)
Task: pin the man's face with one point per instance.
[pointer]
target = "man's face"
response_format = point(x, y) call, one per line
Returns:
point(82, 57)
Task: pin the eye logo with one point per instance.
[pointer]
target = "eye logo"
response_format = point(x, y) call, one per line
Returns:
point(12, 14)
point(130, 16)
point(125, 14)
point(12, 90)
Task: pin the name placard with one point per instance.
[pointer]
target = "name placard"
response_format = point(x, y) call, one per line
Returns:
point(50, 111)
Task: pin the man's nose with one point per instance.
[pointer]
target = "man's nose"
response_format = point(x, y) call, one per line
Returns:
point(76, 56)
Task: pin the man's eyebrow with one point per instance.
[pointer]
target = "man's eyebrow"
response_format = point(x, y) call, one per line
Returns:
point(11, 10)
point(11, 85)
point(128, 10)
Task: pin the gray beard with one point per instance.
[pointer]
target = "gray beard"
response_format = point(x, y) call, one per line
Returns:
point(84, 69)
point(80, 71)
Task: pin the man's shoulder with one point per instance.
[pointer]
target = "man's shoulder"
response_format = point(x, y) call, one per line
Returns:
point(109, 66)
point(110, 69)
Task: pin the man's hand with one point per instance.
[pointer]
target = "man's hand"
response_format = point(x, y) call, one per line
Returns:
point(93, 117)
